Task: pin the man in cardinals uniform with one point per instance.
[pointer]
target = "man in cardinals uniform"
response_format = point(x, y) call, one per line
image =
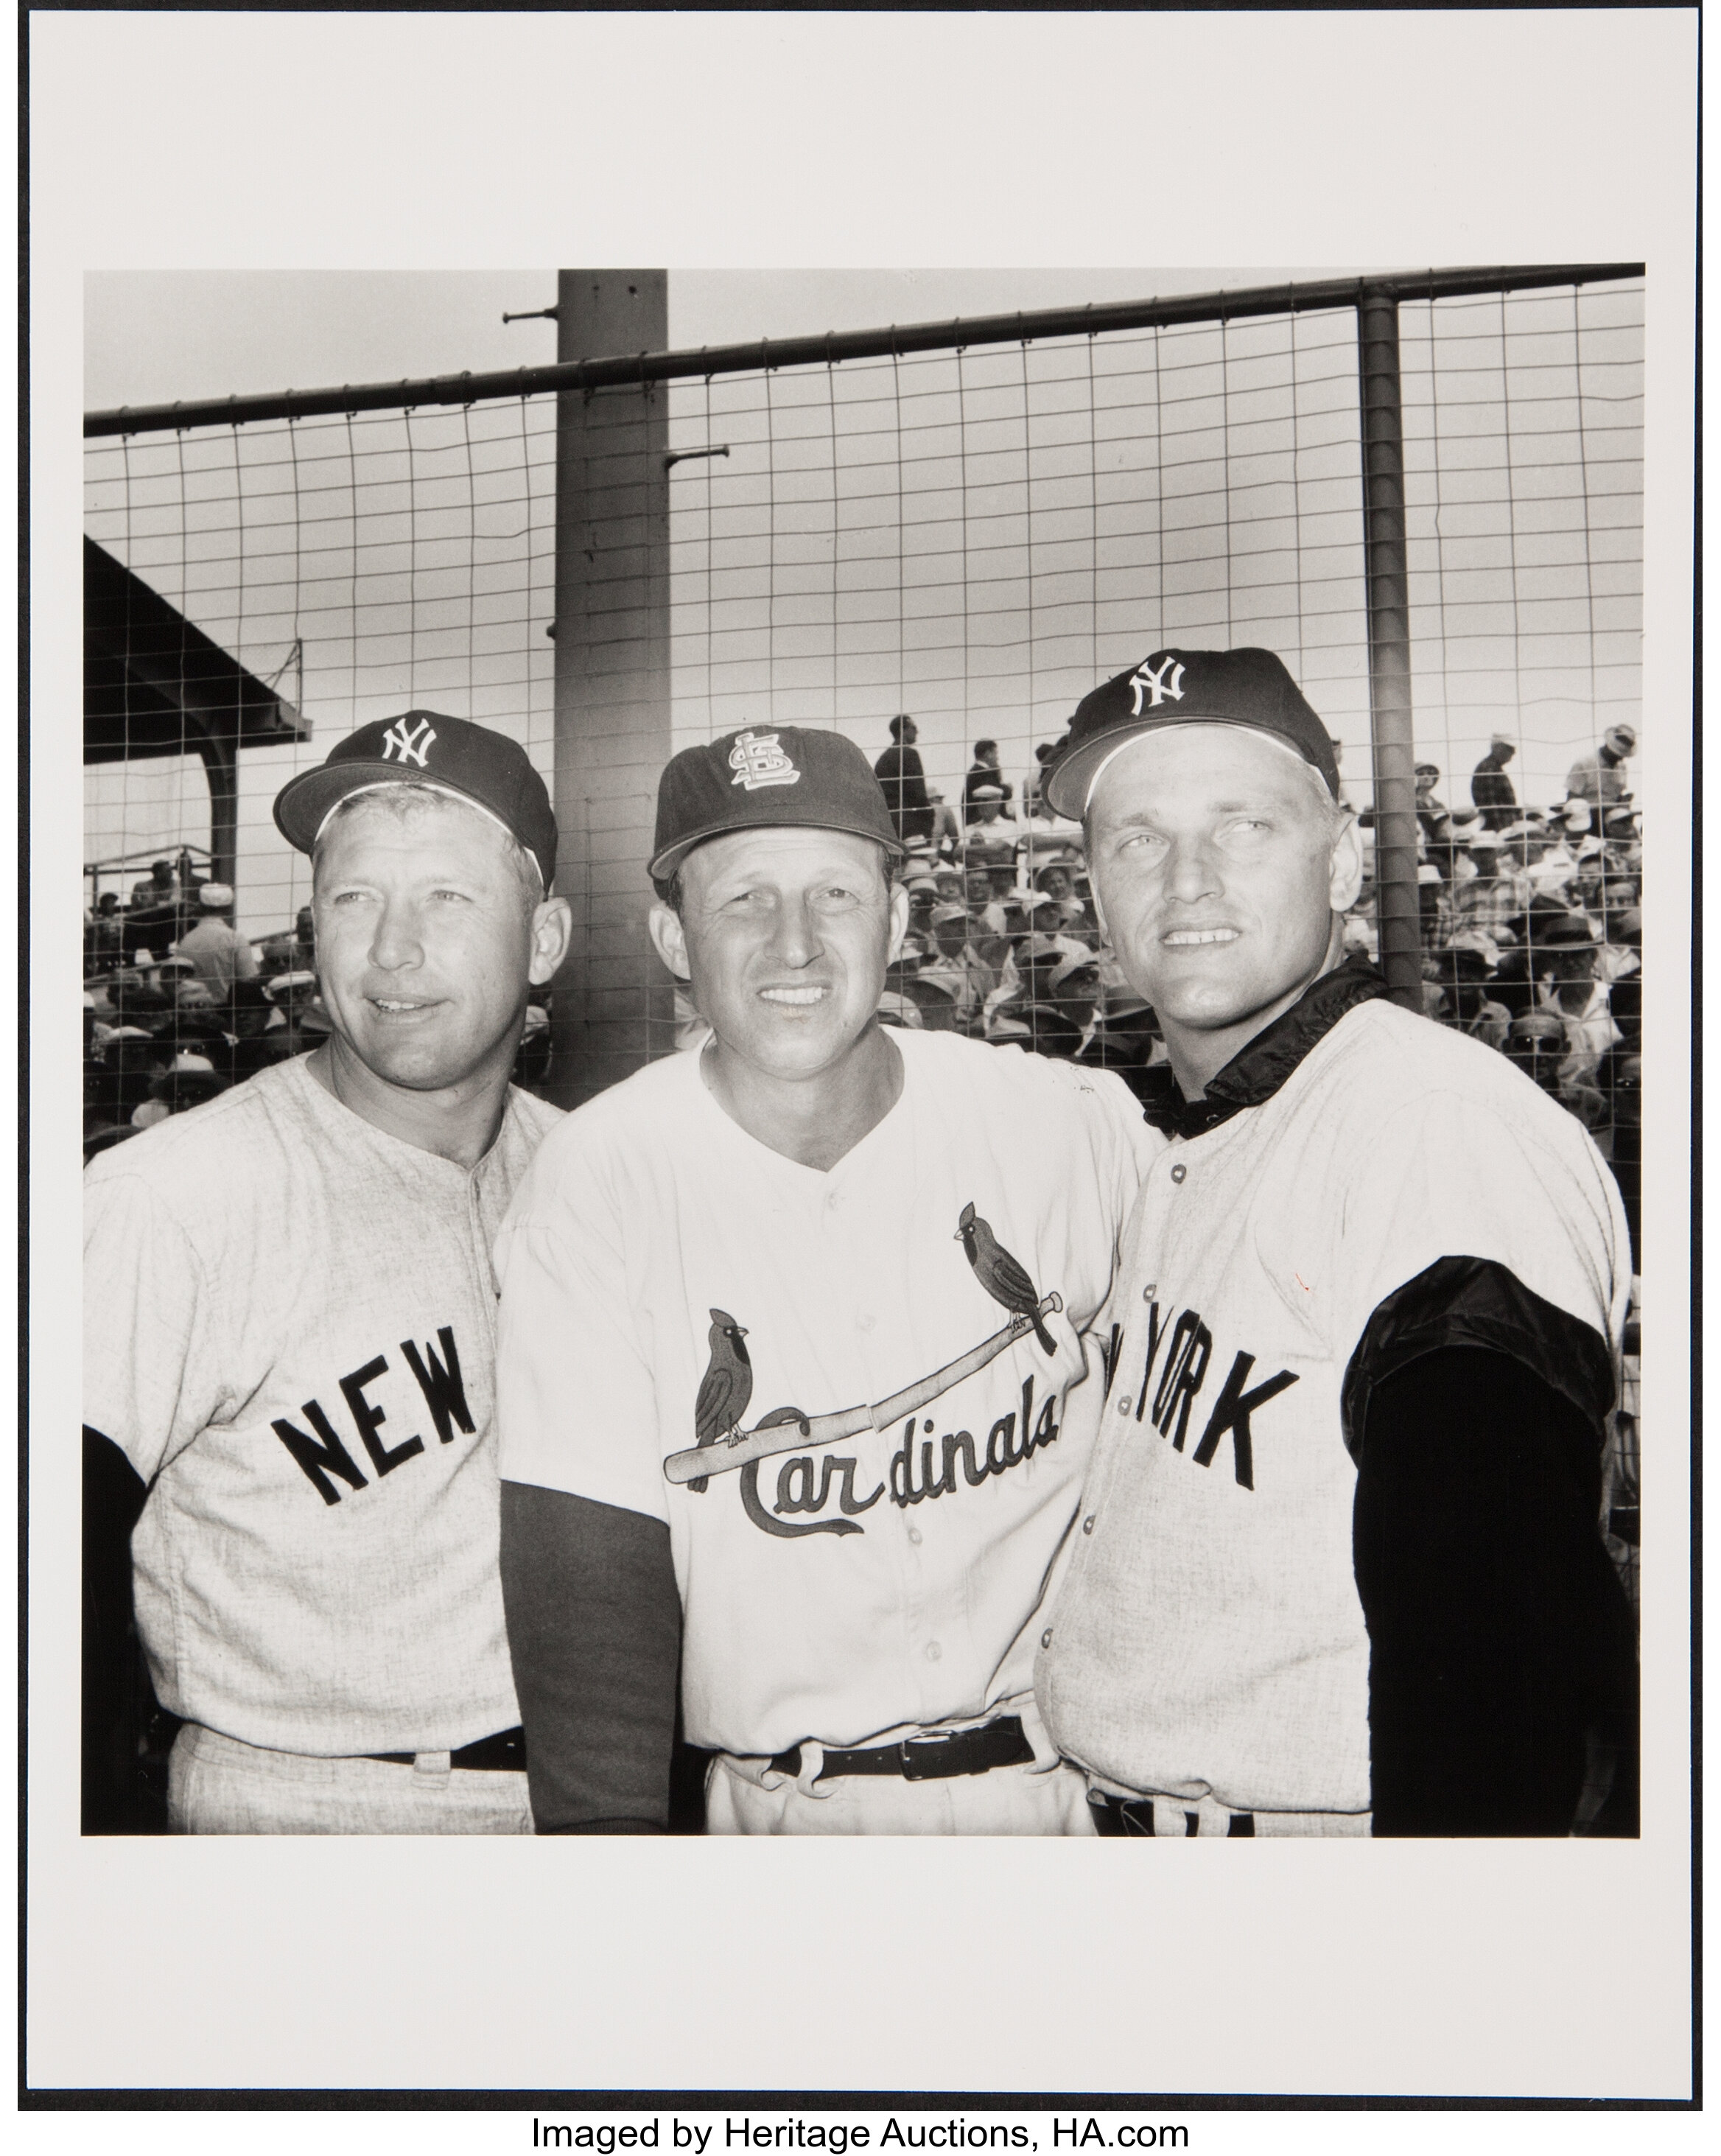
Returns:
point(797, 1388)
point(1340, 1568)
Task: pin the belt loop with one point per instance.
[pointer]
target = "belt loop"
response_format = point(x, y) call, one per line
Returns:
point(432, 1766)
point(812, 1761)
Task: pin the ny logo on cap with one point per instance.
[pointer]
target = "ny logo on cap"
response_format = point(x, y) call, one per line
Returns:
point(758, 760)
point(412, 747)
point(1163, 680)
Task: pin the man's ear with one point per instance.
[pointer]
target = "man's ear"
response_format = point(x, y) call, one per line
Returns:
point(669, 939)
point(1346, 878)
point(552, 932)
point(898, 921)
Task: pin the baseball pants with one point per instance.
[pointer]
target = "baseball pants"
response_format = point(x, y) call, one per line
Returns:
point(1024, 1799)
point(217, 1785)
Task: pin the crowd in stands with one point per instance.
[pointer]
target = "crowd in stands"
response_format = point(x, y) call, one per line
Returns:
point(1530, 928)
point(179, 1005)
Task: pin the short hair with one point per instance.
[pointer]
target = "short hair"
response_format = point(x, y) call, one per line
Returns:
point(981, 747)
point(401, 798)
point(902, 719)
point(673, 892)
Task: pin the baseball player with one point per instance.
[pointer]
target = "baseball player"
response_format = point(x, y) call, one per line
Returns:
point(290, 1324)
point(1339, 1567)
point(793, 1373)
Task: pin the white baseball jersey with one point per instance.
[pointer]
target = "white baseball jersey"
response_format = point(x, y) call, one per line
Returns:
point(861, 1590)
point(1209, 1640)
point(289, 1331)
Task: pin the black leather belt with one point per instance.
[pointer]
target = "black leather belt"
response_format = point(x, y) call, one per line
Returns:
point(1134, 1815)
point(999, 1744)
point(505, 1751)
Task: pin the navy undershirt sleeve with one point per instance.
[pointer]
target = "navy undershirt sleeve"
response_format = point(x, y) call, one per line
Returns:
point(1499, 1633)
point(594, 1628)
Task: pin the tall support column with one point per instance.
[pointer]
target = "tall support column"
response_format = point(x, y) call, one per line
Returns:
point(1389, 647)
point(221, 765)
point(613, 999)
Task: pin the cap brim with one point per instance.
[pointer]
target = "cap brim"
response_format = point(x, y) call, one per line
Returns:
point(303, 804)
point(1067, 788)
point(665, 865)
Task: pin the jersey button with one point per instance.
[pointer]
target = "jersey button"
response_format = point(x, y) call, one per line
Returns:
point(1088, 1525)
point(1177, 1175)
point(1149, 1292)
point(1046, 1637)
point(933, 1651)
point(1124, 1405)
point(865, 1320)
point(915, 1537)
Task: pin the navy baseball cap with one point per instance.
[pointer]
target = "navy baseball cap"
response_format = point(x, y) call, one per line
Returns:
point(426, 748)
point(762, 775)
point(1244, 688)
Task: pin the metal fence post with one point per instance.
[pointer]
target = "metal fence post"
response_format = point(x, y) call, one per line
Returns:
point(613, 999)
point(1395, 895)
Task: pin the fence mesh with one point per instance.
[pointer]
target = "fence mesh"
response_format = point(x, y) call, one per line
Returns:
point(973, 538)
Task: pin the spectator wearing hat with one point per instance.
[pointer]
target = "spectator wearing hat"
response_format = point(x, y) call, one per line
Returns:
point(104, 934)
point(988, 839)
point(957, 965)
point(1620, 957)
point(1564, 964)
point(1601, 777)
point(903, 775)
point(1077, 989)
point(1033, 784)
point(1537, 1045)
point(159, 888)
point(1433, 910)
point(1430, 813)
point(1495, 797)
point(1027, 975)
point(985, 772)
point(1057, 881)
point(1463, 969)
point(219, 954)
point(189, 1081)
point(290, 1325)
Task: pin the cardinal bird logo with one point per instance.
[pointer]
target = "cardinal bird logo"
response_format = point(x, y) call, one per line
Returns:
point(1000, 1274)
point(725, 1389)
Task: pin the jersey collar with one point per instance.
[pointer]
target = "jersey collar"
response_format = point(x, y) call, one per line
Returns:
point(1261, 1066)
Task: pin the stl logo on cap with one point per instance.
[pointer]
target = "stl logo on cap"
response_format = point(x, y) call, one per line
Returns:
point(412, 747)
point(760, 760)
point(1163, 680)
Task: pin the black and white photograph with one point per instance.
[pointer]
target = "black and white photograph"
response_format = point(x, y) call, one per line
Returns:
point(862, 1056)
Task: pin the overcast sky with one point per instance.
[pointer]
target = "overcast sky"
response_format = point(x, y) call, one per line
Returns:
point(1222, 475)
point(150, 336)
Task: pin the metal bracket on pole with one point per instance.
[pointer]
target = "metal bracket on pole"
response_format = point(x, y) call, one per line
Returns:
point(1382, 413)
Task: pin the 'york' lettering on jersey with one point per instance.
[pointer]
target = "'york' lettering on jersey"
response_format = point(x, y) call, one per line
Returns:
point(326, 1454)
point(1167, 1399)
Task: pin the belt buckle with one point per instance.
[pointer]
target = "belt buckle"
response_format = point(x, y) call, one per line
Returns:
point(928, 1772)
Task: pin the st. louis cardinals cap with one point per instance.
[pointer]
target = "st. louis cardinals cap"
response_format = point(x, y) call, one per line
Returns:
point(1244, 688)
point(426, 748)
point(765, 775)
